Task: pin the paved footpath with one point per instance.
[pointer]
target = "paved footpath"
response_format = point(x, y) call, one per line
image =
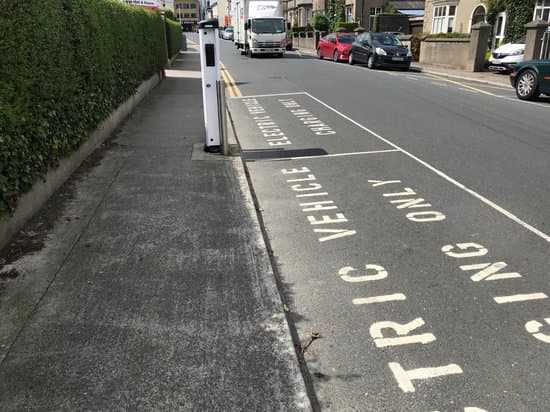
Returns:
point(145, 283)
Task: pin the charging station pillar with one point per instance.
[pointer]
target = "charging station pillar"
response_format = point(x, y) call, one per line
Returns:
point(210, 68)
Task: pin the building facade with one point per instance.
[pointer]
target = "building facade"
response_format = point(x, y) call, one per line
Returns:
point(300, 12)
point(446, 16)
point(188, 13)
point(221, 10)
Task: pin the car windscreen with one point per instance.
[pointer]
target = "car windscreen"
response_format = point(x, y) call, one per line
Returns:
point(268, 26)
point(386, 40)
point(348, 39)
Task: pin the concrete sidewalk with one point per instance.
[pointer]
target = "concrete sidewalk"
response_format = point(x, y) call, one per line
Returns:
point(145, 283)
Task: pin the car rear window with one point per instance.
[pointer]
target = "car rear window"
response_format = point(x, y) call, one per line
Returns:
point(346, 38)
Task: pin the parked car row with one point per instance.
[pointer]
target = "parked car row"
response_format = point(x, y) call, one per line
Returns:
point(530, 78)
point(372, 49)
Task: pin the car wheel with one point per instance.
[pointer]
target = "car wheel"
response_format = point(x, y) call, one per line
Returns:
point(350, 59)
point(319, 55)
point(526, 85)
point(371, 62)
point(335, 56)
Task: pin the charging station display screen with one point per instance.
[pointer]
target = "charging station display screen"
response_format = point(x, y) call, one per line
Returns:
point(209, 53)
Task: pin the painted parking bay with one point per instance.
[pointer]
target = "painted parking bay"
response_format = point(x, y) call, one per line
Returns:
point(294, 125)
point(425, 297)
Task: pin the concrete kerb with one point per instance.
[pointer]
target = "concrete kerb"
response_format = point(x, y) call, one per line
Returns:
point(32, 201)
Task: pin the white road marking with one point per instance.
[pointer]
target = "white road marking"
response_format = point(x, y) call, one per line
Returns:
point(467, 90)
point(488, 202)
point(404, 378)
point(440, 84)
point(333, 155)
point(379, 299)
point(412, 77)
point(520, 298)
point(533, 327)
point(269, 95)
point(313, 194)
point(546, 106)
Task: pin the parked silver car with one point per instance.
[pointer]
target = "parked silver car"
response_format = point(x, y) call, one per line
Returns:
point(505, 57)
point(227, 34)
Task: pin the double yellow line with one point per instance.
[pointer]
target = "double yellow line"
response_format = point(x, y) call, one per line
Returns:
point(230, 85)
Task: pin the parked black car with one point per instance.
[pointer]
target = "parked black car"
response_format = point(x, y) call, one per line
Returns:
point(531, 78)
point(380, 50)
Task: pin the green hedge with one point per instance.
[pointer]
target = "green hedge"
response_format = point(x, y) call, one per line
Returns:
point(64, 67)
point(348, 27)
point(173, 37)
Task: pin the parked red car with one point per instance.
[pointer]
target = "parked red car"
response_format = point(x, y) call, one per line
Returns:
point(335, 46)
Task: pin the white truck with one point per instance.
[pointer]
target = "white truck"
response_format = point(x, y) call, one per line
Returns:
point(259, 27)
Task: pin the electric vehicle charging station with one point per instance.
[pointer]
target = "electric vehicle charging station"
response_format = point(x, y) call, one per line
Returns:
point(210, 68)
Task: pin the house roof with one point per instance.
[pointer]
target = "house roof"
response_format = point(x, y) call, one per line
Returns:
point(408, 4)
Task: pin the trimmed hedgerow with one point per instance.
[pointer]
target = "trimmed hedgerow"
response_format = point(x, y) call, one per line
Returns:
point(64, 68)
point(173, 37)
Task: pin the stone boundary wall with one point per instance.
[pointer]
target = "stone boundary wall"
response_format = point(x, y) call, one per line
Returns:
point(450, 53)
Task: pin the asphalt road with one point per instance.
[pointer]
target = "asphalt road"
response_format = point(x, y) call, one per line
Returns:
point(408, 217)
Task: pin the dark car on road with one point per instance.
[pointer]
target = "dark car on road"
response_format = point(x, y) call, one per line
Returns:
point(531, 78)
point(380, 50)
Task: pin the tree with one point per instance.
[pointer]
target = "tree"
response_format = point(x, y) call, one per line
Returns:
point(518, 14)
point(320, 21)
point(336, 12)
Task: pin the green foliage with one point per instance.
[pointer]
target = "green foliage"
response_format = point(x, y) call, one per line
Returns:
point(493, 8)
point(64, 68)
point(336, 13)
point(390, 9)
point(320, 21)
point(169, 14)
point(345, 26)
point(453, 35)
point(173, 37)
point(518, 14)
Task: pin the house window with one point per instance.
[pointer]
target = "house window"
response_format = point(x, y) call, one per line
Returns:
point(373, 12)
point(479, 15)
point(542, 10)
point(500, 24)
point(444, 19)
point(349, 14)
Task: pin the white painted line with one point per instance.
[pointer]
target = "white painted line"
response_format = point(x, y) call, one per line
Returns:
point(379, 299)
point(440, 84)
point(269, 95)
point(313, 194)
point(488, 202)
point(468, 90)
point(412, 78)
point(515, 100)
point(335, 155)
point(520, 298)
